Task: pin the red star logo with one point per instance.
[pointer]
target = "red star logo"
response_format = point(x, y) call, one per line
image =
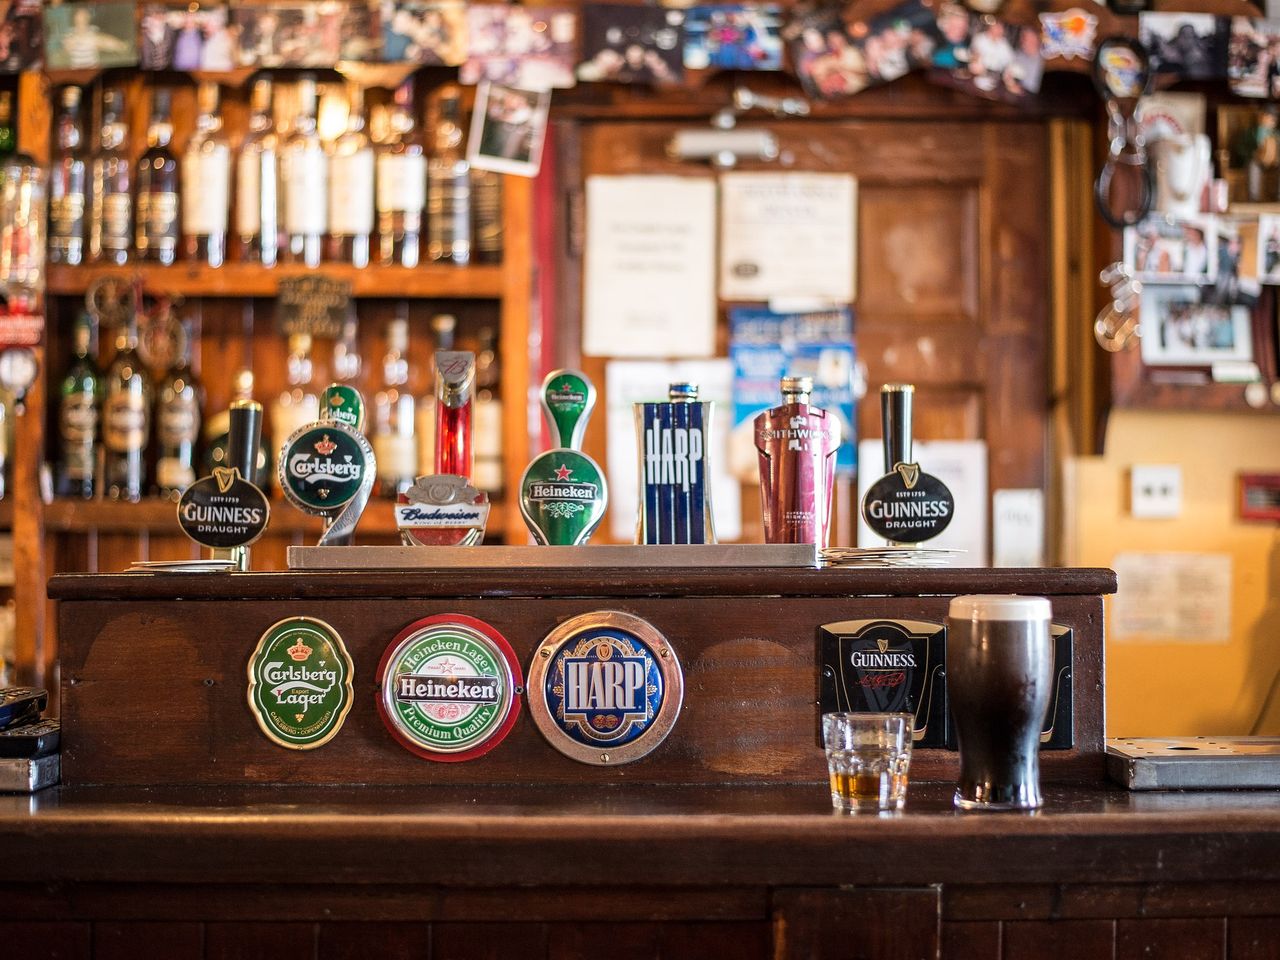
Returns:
point(563, 473)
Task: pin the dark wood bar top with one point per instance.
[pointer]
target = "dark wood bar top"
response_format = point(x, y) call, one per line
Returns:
point(585, 582)
point(525, 835)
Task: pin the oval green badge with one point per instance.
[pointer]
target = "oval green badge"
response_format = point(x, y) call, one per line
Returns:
point(300, 683)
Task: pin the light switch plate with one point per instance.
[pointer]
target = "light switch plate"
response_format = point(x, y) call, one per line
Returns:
point(1155, 491)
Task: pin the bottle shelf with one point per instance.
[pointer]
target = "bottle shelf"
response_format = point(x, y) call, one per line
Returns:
point(254, 280)
point(153, 515)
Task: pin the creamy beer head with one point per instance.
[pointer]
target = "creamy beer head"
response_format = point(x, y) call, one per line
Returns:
point(999, 607)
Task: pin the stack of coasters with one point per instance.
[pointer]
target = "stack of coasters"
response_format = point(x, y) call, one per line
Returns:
point(29, 758)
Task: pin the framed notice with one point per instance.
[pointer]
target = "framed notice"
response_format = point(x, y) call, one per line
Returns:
point(650, 267)
point(788, 236)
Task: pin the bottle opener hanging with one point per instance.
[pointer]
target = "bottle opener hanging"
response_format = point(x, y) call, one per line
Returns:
point(1125, 188)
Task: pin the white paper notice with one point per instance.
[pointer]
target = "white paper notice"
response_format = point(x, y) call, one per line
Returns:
point(962, 466)
point(633, 381)
point(1172, 598)
point(650, 267)
point(1017, 528)
point(788, 236)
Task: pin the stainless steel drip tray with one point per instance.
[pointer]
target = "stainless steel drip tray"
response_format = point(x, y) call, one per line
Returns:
point(1194, 763)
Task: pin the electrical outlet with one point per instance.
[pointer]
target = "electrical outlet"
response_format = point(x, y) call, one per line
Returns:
point(1155, 491)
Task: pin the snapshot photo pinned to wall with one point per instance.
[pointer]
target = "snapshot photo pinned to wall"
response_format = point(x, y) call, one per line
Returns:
point(1191, 45)
point(1180, 330)
point(993, 59)
point(631, 44)
point(83, 36)
point(1269, 248)
point(360, 33)
point(827, 61)
point(414, 31)
point(733, 37)
point(1237, 279)
point(21, 36)
point(507, 129)
point(530, 47)
point(1253, 57)
point(294, 35)
point(1167, 250)
point(187, 37)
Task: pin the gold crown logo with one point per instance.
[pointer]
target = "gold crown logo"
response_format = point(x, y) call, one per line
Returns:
point(299, 651)
point(325, 446)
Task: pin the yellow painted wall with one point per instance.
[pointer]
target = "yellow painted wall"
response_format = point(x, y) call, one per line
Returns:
point(1165, 688)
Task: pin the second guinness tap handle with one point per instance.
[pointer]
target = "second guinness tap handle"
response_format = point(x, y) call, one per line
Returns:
point(895, 411)
point(244, 436)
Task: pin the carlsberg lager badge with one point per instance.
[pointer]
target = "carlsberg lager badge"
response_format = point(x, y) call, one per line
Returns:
point(300, 683)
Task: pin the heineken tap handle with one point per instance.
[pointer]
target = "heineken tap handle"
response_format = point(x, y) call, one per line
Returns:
point(895, 410)
point(243, 437)
point(568, 398)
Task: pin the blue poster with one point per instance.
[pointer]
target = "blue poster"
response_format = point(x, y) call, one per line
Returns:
point(764, 346)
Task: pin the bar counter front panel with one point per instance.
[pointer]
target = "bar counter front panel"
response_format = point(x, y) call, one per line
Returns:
point(183, 832)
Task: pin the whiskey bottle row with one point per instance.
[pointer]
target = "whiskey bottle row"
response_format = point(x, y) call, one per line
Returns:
point(124, 435)
point(293, 189)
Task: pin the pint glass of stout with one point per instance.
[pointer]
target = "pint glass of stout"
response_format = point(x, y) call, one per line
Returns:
point(999, 674)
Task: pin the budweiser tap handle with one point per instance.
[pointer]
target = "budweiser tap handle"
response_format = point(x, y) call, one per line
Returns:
point(895, 410)
point(243, 437)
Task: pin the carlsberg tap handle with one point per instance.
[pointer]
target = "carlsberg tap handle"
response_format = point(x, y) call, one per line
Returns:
point(344, 404)
point(895, 410)
point(243, 436)
point(568, 398)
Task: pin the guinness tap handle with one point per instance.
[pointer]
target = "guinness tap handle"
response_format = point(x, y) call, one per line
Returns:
point(895, 410)
point(243, 437)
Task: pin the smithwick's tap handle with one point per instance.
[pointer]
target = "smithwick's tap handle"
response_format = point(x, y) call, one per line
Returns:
point(243, 436)
point(895, 410)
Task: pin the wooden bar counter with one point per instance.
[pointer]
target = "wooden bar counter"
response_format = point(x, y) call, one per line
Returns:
point(181, 831)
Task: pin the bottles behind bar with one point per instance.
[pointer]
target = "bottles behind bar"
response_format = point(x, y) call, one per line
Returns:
point(8, 140)
point(298, 403)
point(305, 168)
point(393, 427)
point(351, 197)
point(78, 416)
point(346, 352)
point(402, 185)
point(111, 210)
point(67, 178)
point(449, 186)
point(486, 216)
point(126, 418)
point(206, 184)
point(178, 410)
point(258, 182)
point(156, 214)
point(488, 424)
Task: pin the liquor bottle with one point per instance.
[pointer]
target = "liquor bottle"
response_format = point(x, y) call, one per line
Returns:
point(488, 425)
point(126, 416)
point(22, 224)
point(402, 185)
point(78, 416)
point(218, 428)
point(178, 409)
point(67, 183)
point(156, 215)
point(797, 445)
point(298, 404)
point(486, 215)
point(111, 212)
point(8, 140)
point(305, 167)
point(443, 326)
point(393, 441)
point(449, 187)
point(351, 187)
point(258, 182)
point(346, 352)
point(206, 184)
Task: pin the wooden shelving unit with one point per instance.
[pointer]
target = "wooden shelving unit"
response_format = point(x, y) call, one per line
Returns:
point(254, 280)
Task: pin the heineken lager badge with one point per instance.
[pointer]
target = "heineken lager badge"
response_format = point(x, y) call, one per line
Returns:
point(328, 468)
point(605, 688)
point(906, 505)
point(442, 510)
point(568, 398)
point(673, 438)
point(300, 679)
point(562, 497)
point(449, 688)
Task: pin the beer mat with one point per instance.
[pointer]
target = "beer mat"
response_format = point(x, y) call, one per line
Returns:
point(1194, 763)
point(888, 556)
point(28, 776)
point(694, 555)
point(181, 566)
